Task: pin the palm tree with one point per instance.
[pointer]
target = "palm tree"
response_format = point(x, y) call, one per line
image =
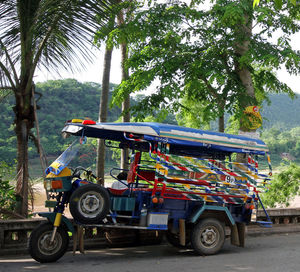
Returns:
point(125, 76)
point(41, 33)
point(103, 109)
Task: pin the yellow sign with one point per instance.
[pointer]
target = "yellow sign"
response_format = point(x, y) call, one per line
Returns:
point(254, 119)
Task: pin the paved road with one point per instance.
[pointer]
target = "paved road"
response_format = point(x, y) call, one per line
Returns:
point(280, 253)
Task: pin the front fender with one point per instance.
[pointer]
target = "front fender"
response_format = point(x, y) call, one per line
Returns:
point(51, 217)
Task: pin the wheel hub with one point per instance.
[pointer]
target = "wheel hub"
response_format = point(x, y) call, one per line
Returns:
point(90, 205)
point(209, 236)
point(48, 247)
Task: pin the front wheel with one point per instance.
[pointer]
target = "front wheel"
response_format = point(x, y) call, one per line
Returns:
point(208, 236)
point(40, 247)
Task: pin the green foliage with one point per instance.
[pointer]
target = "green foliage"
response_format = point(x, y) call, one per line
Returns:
point(61, 100)
point(278, 3)
point(7, 192)
point(193, 56)
point(284, 186)
point(287, 141)
point(194, 115)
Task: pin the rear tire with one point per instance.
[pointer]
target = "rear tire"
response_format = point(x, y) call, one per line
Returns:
point(208, 236)
point(89, 204)
point(40, 247)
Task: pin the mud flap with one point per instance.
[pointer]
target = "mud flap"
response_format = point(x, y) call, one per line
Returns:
point(238, 233)
point(182, 234)
point(234, 236)
point(242, 233)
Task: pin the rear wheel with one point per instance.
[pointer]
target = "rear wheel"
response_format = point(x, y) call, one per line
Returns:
point(42, 249)
point(89, 204)
point(208, 236)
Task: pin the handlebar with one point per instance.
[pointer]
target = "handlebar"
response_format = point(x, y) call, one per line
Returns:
point(76, 172)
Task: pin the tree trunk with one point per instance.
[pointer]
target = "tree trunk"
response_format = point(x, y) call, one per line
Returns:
point(43, 159)
point(24, 123)
point(221, 123)
point(244, 33)
point(126, 102)
point(103, 112)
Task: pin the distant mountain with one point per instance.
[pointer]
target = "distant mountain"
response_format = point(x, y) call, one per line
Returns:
point(60, 100)
point(282, 113)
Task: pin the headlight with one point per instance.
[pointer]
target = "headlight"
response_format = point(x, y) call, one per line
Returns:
point(47, 185)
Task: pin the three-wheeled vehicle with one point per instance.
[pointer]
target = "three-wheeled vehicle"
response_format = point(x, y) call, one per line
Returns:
point(183, 181)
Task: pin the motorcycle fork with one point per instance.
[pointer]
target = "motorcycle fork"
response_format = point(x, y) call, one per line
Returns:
point(62, 200)
point(56, 224)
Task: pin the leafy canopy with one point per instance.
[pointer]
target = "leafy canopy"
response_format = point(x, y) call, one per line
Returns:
point(190, 53)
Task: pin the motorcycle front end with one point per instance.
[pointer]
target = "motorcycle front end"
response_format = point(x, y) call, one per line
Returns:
point(49, 241)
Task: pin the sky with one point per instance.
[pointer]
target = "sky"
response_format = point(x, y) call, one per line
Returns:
point(93, 72)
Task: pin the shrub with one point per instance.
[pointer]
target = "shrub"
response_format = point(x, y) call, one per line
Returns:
point(284, 186)
point(7, 191)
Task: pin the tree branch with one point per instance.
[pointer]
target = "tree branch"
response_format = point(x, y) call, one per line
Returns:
point(6, 88)
point(11, 213)
point(7, 73)
point(210, 88)
point(3, 96)
point(10, 62)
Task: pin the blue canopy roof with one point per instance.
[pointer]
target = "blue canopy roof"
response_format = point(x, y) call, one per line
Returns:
point(175, 135)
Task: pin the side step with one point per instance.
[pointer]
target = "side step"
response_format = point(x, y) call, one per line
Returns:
point(265, 224)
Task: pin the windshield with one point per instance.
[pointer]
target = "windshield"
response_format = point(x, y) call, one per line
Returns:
point(64, 159)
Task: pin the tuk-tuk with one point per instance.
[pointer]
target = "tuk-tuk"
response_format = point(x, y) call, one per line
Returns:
point(183, 181)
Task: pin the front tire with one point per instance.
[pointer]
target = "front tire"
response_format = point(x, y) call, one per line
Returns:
point(208, 236)
point(40, 247)
point(89, 204)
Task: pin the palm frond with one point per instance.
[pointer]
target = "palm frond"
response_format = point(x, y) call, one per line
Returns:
point(51, 33)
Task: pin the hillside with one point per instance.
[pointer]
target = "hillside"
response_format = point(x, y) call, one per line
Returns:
point(282, 113)
point(63, 100)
